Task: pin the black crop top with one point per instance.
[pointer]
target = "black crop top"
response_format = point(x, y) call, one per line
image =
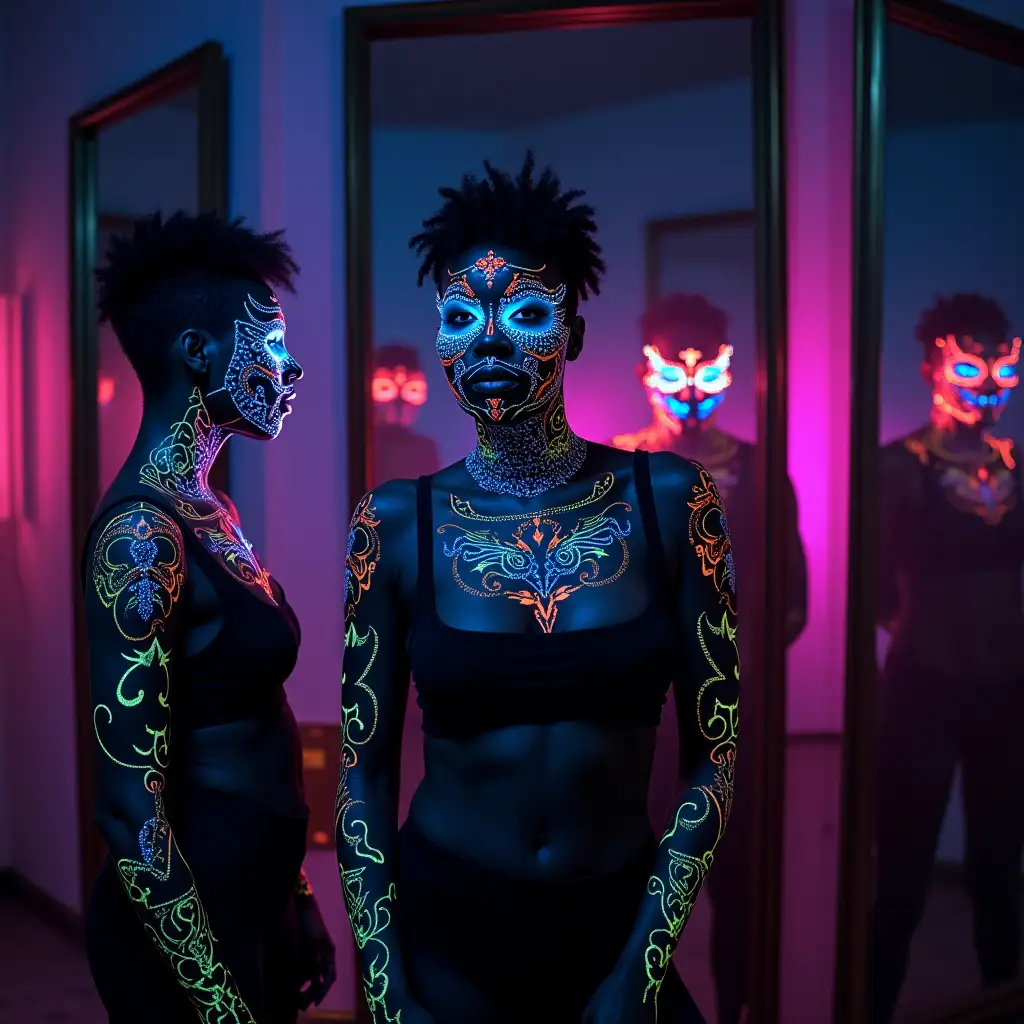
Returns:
point(937, 537)
point(471, 681)
point(241, 673)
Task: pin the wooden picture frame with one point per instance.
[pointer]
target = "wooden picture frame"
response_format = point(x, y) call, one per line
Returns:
point(204, 68)
point(364, 25)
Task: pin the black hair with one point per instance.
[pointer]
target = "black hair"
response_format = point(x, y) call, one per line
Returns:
point(170, 275)
point(532, 214)
point(396, 353)
point(960, 314)
point(687, 312)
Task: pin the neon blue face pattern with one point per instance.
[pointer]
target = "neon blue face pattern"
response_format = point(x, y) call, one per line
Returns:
point(260, 364)
point(496, 299)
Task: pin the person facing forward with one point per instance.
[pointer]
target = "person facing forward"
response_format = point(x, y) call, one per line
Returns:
point(951, 695)
point(206, 827)
point(544, 592)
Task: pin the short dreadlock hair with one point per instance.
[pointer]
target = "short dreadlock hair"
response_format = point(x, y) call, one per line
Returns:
point(960, 314)
point(180, 273)
point(532, 214)
point(684, 312)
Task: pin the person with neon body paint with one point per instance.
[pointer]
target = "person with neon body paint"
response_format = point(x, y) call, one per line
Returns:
point(399, 391)
point(543, 593)
point(202, 910)
point(686, 374)
point(951, 692)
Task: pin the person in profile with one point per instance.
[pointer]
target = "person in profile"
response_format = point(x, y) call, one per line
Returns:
point(399, 391)
point(951, 550)
point(687, 373)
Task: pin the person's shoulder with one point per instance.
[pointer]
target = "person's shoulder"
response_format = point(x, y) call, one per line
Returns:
point(677, 477)
point(389, 507)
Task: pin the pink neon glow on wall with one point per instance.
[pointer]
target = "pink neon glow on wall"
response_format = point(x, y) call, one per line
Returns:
point(11, 446)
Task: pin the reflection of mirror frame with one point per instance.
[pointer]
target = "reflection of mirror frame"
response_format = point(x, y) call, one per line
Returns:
point(764, 736)
point(856, 881)
point(204, 68)
point(657, 231)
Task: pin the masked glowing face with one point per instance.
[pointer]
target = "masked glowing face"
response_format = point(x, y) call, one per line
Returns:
point(972, 379)
point(398, 393)
point(690, 390)
point(259, 378)
point(503, 336)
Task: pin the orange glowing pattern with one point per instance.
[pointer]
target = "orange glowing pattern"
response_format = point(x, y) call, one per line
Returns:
point(489, 265)
point(962, 375)
point(391, 384)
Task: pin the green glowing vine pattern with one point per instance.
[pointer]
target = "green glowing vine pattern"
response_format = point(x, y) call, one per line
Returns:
point(138, 573)
point(687, 848)
point(369, 913)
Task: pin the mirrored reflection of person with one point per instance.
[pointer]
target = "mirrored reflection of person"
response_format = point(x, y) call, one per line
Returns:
point(399, 391)
point(687, 375)
point(205, 824)
point(952, 686)
point(545, 592)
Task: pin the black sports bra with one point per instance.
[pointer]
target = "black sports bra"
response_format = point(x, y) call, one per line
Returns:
point(470, 681)
point(241, 673)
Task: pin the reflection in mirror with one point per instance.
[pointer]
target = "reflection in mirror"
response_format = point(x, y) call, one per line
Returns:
point(148, 162)
point(950, 793)
point(666, 339)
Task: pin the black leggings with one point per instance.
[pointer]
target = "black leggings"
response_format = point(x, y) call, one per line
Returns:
point(485, 948)
point(245, 863)
point(928, 726)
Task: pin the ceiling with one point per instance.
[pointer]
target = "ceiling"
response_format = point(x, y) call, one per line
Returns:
point(563, 73)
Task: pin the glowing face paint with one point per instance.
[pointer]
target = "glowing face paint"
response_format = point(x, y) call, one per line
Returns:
point(970, 386)
point(255, 377)
point(397, 393)
point(688, 390)
point(498, 300)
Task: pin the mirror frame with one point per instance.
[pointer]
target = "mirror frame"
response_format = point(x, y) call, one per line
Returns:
point(765, 736)
point(855, 894)
point(206, 69)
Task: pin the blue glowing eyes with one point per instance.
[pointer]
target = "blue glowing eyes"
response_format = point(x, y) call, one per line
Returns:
point(669, 374)
point(711, 374)
point(1006, 371)
point(968, 371)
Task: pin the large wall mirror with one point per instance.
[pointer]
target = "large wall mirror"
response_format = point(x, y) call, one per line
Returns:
point(676, 142)
point(159, 144)
point(940, 674)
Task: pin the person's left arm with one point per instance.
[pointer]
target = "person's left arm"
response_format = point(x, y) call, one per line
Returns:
point(707, 701)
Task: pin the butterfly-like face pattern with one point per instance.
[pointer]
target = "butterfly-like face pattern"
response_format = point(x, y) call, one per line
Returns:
point(260, 374)
point(503, 337)
point(690, 388)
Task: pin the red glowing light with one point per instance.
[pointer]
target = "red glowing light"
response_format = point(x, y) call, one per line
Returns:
point(105, 390)
point(390, 384)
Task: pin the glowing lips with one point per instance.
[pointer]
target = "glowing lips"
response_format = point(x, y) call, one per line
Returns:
point(257, 365)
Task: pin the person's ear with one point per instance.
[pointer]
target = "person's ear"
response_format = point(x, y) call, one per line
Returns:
point(576, 333)
point(193, 346)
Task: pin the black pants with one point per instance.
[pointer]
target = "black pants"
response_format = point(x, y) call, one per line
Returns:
point(485, 948)
point(245, 863)
point(929, 725)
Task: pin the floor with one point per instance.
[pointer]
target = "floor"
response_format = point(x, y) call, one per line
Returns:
point(44, 976)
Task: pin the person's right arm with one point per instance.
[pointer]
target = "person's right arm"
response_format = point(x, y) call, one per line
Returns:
point(136, 573)
point(374, 688)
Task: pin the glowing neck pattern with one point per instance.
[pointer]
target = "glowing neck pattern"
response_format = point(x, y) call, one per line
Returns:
point(180, 464)
point(527, 458)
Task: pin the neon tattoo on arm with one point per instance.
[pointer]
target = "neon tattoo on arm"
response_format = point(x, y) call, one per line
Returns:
point(138, 573)
point(708, 702)
point(361, 820)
